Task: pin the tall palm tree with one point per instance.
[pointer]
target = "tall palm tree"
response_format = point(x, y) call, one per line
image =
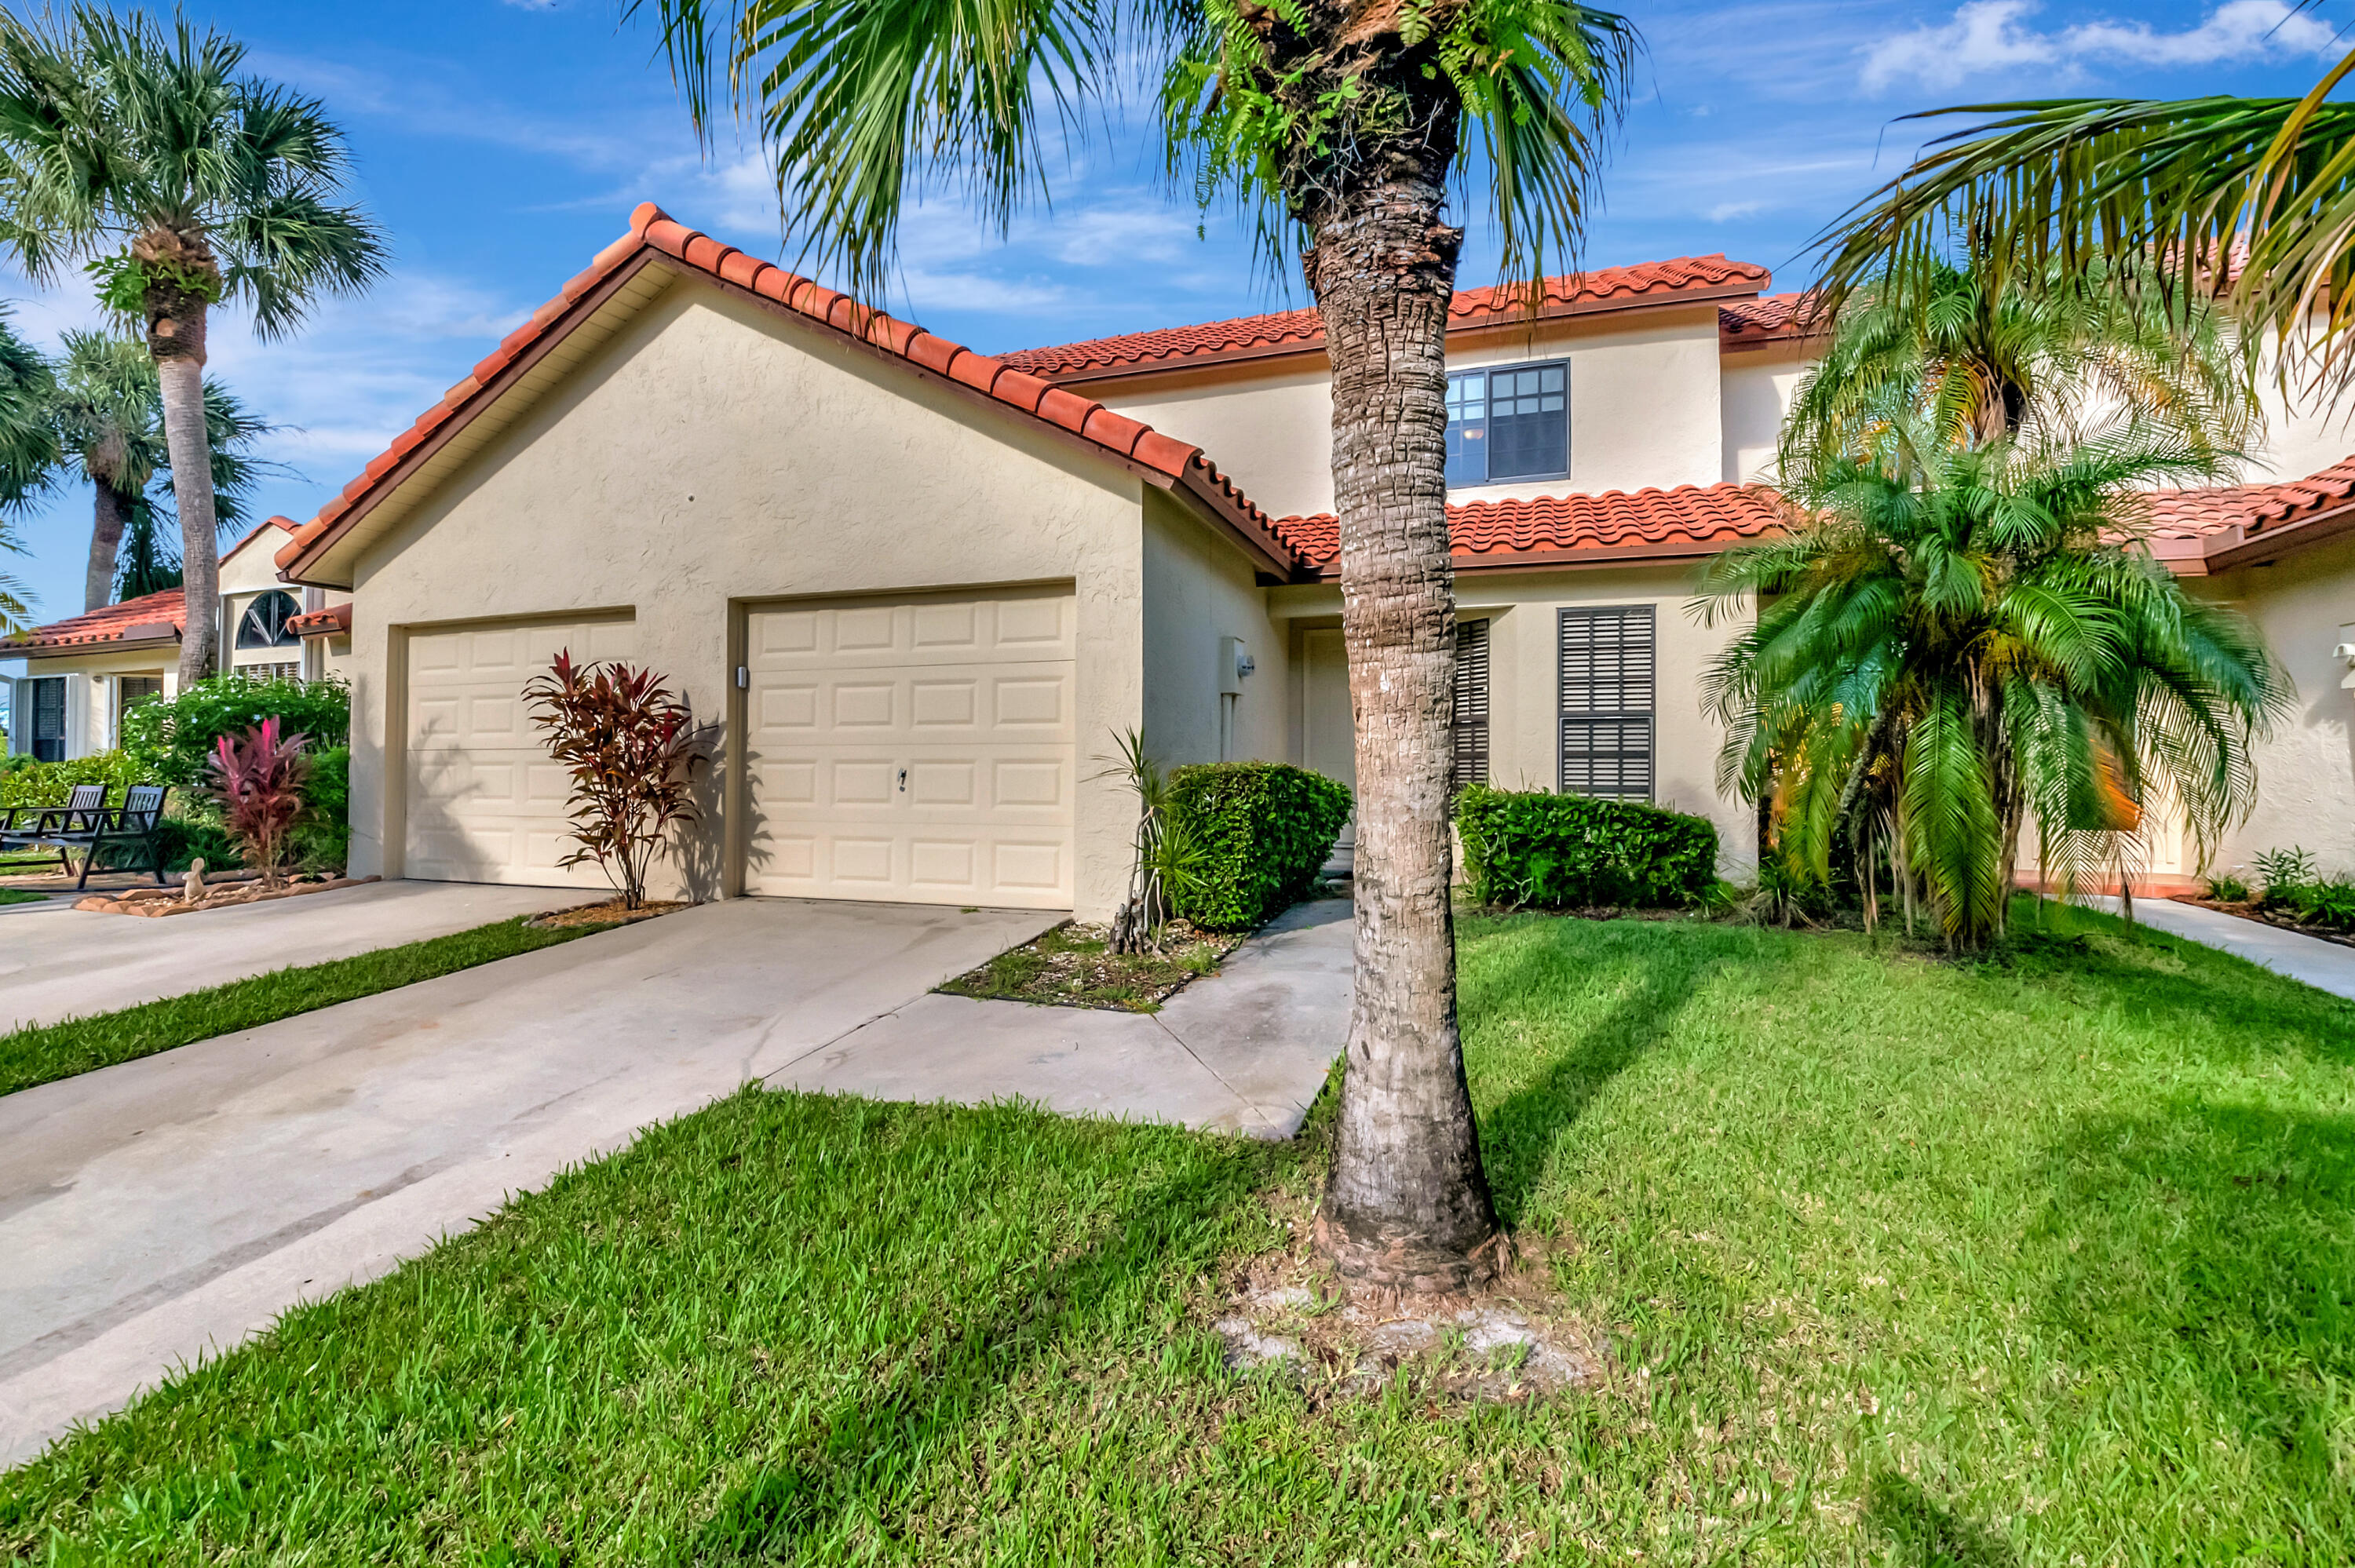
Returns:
point(140, 149)
point(108, 414)
point(28, 451)
point(1982, 360)
point(1338, 126)
point(2252, 198)
point(1953, 636)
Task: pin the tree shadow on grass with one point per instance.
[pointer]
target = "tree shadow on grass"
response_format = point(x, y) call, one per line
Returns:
point(857, 1454)
point(2205, 1255)
point(1652, 983)
point(1926, 1533)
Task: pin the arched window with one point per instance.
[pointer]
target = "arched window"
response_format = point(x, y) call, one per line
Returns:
point(263, 625)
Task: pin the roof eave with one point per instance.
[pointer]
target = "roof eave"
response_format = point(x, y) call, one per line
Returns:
point(2234, 547)
point(1479, 563)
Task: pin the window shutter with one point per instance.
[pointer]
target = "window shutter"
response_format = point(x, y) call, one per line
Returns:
point(1608, 666)
point(1471, 703)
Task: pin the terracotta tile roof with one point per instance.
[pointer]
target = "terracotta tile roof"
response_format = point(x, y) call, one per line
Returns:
point(1770, 318)
point(284, 525)
point(2252, 508)
point(147, 619)
point(332, 621)
point(1298, 331)
point(1692, 519)
point(652, 229)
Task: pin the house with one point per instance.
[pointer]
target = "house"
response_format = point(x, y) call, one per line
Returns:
point(82, 673)
point(916, 594)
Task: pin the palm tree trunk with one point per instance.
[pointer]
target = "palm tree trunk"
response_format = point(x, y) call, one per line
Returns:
point(109, 512)
point(175, 335)
point(1407, 1205)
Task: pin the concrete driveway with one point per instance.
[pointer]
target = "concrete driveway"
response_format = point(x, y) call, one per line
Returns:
point(57, 961)
point(156, 1210)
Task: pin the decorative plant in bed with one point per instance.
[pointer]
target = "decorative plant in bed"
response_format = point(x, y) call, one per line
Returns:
point(1221, 849)
point(256, 779)
point(2289, 893)
point(629, 747)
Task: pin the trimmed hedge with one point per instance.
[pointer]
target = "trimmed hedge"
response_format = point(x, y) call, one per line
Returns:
point(1567, 851)
point(24, 782)
point(1265, 830)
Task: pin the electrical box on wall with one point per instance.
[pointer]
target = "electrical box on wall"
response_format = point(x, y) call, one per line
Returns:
point(1235, 663)
point(2346, 650)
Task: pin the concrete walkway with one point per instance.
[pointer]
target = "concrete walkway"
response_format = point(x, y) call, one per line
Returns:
point(2326, 966)
point(1243, 1051)
point(57, 961)
point(156, 1210)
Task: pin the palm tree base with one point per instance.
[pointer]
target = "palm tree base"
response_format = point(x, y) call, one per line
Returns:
point(1411, 1265)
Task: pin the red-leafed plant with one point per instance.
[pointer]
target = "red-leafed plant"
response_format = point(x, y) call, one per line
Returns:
point(257, 777)
point(629, 746)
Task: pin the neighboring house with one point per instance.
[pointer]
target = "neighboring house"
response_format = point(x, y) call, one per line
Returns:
point(81, 674)
point(917, 594)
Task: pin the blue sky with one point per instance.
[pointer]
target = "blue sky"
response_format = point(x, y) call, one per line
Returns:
point(502, 144)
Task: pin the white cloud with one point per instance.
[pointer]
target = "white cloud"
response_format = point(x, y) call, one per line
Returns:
point(1987, 36)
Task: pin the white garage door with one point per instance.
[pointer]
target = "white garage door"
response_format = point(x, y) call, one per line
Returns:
point(485, 801)
point(919, 751)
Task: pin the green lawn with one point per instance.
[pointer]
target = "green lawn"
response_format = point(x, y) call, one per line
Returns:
point(44, 1053)
point(2043, 1262)
point(21, 896)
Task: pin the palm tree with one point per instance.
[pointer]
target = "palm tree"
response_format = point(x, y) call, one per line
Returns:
point(140, 149)
point(2252, 198)
point(1982, 360)
point(1338, 128)
point(1953, 636)
point(27, 453)
point(109, 419)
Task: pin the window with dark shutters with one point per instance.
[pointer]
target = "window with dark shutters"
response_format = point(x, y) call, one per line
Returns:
point(1471, 703)
point(1511, 423)
point(1608, 669)
point(47, 734)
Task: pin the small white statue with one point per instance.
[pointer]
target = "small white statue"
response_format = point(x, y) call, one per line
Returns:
point(193, 886)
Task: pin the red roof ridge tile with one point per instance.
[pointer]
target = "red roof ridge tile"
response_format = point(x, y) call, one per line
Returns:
point(653, 228)
point(1713, 515)
point(1302, 329)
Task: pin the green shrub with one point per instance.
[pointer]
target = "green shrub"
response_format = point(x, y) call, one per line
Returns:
point(185, 837)
point(31, 783)
point(322, 839)
point(1569, 851)
point(2228, 889)
point(1263, 830)
point(171, 740)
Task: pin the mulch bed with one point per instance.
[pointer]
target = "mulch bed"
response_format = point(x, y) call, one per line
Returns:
point(1073, 966)
point(2249, 911)
point(605, 912)
point(248, 888)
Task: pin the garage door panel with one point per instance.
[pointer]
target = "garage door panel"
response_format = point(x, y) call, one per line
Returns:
point(485, 801)
point(919, 751)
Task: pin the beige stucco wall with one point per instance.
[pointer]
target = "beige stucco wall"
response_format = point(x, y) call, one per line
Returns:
point(1642, 408)
point(1199, 590)
point(1756, 389)
point(1524, 694)
point(2305, 774)
point(710, 455)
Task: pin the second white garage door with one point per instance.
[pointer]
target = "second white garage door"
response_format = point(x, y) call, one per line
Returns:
point(485, 803)
point(917, 751)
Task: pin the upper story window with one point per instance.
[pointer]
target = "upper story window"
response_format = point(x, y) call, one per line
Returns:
point(263, 625)
point(1509, 423)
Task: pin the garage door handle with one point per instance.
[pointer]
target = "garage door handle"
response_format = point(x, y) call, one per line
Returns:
point(903, 782)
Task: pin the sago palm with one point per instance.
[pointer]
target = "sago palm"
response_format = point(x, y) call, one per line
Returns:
point(1953, 637)
point(1979, 360)
point(1338, 128)
point(2254, 193)
point(139, 148)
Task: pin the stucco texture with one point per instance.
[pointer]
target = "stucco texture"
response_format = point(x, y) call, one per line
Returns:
point(710, 457)
point(2306, 773)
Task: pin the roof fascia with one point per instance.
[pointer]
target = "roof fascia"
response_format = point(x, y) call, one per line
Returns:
point(2236, 547)
point(1498, 561)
